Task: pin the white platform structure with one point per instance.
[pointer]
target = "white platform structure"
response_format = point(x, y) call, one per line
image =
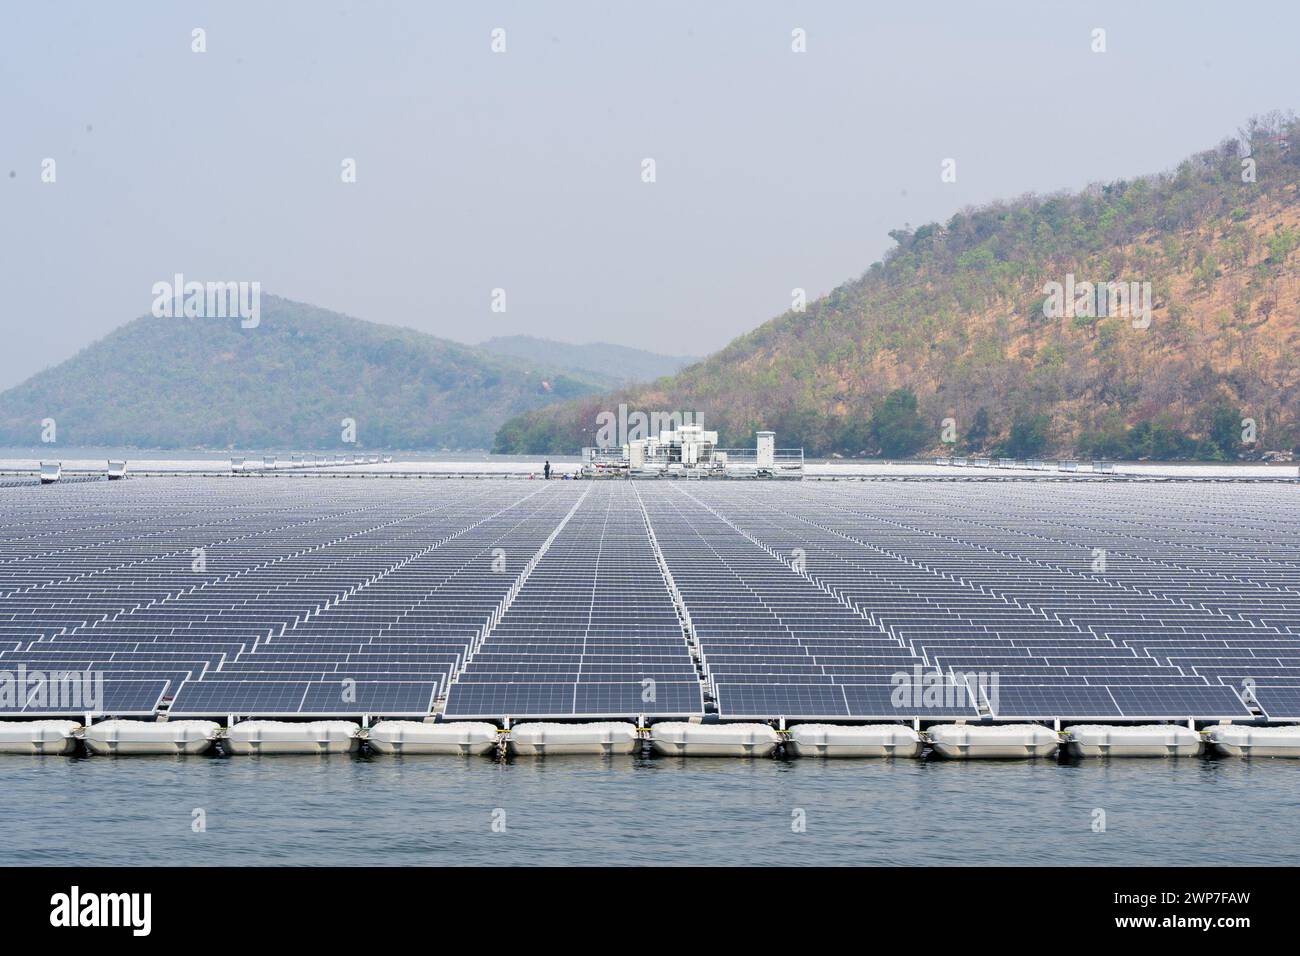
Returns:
point(689, 451)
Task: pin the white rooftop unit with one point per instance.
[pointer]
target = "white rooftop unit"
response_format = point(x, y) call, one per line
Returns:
point(690, 451)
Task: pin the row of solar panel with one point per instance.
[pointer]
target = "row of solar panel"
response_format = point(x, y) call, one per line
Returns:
point(939, 571)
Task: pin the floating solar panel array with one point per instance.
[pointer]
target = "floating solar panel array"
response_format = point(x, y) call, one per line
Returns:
point(1039, 601)
point(269, 601)
point(774, 640)
point(593, 630)
point(494, 598)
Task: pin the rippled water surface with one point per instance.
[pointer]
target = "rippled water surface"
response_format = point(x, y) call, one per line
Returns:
point(578, 810)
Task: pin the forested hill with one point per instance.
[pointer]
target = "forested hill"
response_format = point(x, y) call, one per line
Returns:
point(952, 325)
point(289, 382)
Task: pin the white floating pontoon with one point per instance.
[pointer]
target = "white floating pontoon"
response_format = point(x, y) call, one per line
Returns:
point(976, 741)
point(282, 737)
point(870, 740)
point(417, 737)
point(599, 738)
point(681, 739)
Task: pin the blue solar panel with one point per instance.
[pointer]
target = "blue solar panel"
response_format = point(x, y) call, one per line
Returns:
point(767, 701)
point(1277, 702)
point(398, 591)
point(770, 700)
point(654, 698)
point(1045, 702)
point(1179, 702)
point(78, 696)
point(381, 698)
point(541, 699)
point(249, 698)
point(494, 700)
point(925, 702)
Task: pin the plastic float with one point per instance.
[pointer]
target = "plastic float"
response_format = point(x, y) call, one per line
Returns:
point(680, 739)
point(997, 741)
point(417, 737)
point(1241, 740)
point(131, 737)
point(870, 740)
point(1155, 740)
point(38, 736)
point(612, 737)
point(282, 737)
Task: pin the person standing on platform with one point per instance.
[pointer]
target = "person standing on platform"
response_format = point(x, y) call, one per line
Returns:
point(546, 471)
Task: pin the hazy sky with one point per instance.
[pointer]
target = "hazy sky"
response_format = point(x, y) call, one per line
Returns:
point(522, 170)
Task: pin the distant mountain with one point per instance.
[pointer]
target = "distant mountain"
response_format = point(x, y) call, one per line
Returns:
point(289, 382)
point(956, 334)
point(614, 364)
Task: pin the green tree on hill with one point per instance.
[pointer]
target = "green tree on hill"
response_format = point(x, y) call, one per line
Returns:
point(897, 427)
point(978, 432)
point(1029, 436)
point(1225, 430)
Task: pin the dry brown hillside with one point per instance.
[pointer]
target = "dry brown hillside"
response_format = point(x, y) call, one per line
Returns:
point(952, 324)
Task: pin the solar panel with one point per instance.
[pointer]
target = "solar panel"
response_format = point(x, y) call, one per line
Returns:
point(114, 697)
point(607, 584)
point(493, 700)
point(381, 698)
point(1046, 702)
point(768, 701)
point(925, 702)
point(656, 698)
point(1179, 702)
point(249, 698)
point(1278, 703)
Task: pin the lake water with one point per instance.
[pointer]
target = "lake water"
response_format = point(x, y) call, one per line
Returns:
point(578, 810)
